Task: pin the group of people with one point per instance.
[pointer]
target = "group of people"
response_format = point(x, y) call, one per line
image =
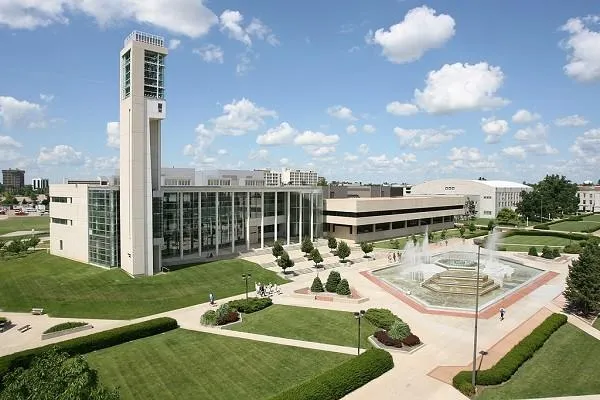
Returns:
point(395, 256)
point(269, 290)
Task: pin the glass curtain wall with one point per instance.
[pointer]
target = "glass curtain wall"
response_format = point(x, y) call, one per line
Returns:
point(240, 216)
point(191, 241)
point(255, 216)
point(281, 217)
point(305, 214)
point(318, 214)
point(104, 227)
point(294, 216)
point(171, 237)
point(208, 228)
point(225, 227)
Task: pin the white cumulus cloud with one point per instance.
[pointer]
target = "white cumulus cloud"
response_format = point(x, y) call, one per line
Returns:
point(232, 22)
point(494, 129)
point(523, 116)
point(281, 134)
point(583, 47)
point(210, 53)
point(420, 30)
point(461, 87)
point(515, 151)
point(15, 112)
point(308, 138)
point(425, 138)
point(351, 129)
point(571, 120)
point(368, 128)
point(538, 132)
point(174, 44)
point(61, 154)
point(341, 112)
point(113, 134)
point(401, 109)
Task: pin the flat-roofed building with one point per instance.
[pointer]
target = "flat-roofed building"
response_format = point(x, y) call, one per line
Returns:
point(589, 198)
point(371, 219)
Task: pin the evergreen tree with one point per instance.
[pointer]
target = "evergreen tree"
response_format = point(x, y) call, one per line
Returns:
point(343, 288)
point(583, 282)
point(277, 250)
point(317, 286)
point(307, 246)
point(315, 255)
point(366, 248)
point(285, 261)
point(443, 235)
point(333, 280)
point(472, 227)
point(461, 230)
point(331, 243)
point(343, 250)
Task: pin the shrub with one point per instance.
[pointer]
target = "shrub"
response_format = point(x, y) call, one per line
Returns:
point(315, 255)
point(411, 340)
point(317, 286)
point(399, 330)
point(366, 248)
point(472, 227)
point(277, 250)
point(533, 251)
point(331, 243)
point(547, 252)
point(253, 304)
point(209, 318)
point(384, 338)
point(542, 226)
point(555, 252)
point(89, 343)
point(573, 248)
point(307, 246)
point(333, 280)
point(64, 326)
point(381, 317)
point(566, 235)
point(504, 369)
point(343, 250)
point(226, 315)
point(343, 379)
point(343, 288)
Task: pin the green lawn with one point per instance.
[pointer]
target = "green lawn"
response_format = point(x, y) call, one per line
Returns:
point(24, 223)
point(310, 324)
point(183, 364)
point(66, 288)
point(575, 226)
point(536, 240)
point(597, 323)
point(486, 221)
point(567, 365)
point(594, 218)
point(450, 233)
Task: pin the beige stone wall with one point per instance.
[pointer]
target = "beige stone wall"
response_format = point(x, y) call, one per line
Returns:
point(73, 235)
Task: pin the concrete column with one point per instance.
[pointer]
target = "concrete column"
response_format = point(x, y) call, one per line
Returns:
point(180, 225)
point(217, 225)
point(262, 220)
point(232, 222)
point(276, 216)
point(288, 216)
point(247, 220)
point(300, 217)
point(312, 220)
point(199, 224)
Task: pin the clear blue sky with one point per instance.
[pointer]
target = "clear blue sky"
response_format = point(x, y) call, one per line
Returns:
point(397, 91)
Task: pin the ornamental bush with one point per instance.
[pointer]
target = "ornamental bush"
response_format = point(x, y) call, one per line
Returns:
point(64, 326)
point(226, 315)
point(573, 248)
point(504, 369)
point(547, 252)
point(411, 340)
point(555, 252)
point(253, 304)
point(333, 280)
point(317, 286)
point(343, 288)
point(89, 343)
point(343, 379)
point(399, 330)
point(533, 251)
point(209, 318)
point(381, 317)
point(384, 338)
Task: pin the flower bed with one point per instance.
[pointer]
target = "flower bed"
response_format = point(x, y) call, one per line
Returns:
point(64, 326)
point(354, 298)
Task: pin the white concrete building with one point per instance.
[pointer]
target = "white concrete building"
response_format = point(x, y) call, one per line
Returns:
point(589, 198)
point(378, 218)
point(39, 183)
point(225, 177)
point(489, 196)
point(296, 177)
point(272, 178)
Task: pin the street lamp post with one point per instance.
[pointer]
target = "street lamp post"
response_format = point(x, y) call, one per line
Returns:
point(473, 374)
point(245, 277)
point(358, 315)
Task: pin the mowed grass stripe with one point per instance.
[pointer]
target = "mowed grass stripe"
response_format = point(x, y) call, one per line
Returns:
point(536, 240)
point(575, 226)
point(66, 288)
point(184, 364)
point(24, 223)
point(309, 324)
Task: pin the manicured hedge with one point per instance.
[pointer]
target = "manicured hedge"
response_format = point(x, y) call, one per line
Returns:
point(343, 379)
point(504, 369)
point(64, 326)
point(542, 226)
point(89, 343)
point(566, 235)
point(381, 317)
point(253, 304)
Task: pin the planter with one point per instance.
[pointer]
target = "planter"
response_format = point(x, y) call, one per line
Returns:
point(231, 323)
point(66, 332)
point(404, 349)
point(354, 298)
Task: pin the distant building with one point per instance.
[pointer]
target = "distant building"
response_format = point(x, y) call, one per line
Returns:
point(101, 180)
point(39, 183)
point(349, 190)
point(272, 178)
point(13, 179)
point(489, 196)
point(296, 177)
point(589, 197)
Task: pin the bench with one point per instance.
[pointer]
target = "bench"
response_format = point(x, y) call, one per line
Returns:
point(2, 325)
point(37, 311)
point(24, 328)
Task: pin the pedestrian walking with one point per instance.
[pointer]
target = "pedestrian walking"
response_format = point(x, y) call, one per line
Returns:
point(211, 297)
point(394, 256)
point(502, 312)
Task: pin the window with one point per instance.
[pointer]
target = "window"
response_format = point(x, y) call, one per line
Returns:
point(487, 213)
point(160, 107)
point(55, 199)
point(60, 244)
point(60, 221)
point(126, 74)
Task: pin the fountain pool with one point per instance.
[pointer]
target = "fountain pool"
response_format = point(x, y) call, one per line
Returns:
point(414, 274)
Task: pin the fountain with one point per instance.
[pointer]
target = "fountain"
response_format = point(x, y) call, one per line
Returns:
point(492, 266)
